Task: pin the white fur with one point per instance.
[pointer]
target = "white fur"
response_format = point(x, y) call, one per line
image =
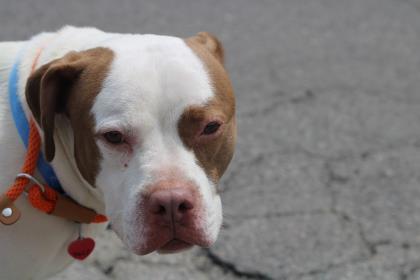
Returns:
point(146, 70)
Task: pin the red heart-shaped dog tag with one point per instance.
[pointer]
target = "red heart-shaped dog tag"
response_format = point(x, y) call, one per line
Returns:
point(81, 248)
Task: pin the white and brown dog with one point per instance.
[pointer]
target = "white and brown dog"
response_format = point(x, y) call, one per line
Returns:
point(138, 127)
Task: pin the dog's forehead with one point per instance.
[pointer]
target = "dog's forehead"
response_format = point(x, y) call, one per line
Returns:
point(151, 75)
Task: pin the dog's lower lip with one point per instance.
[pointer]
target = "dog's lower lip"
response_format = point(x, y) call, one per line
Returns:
point(174, 245)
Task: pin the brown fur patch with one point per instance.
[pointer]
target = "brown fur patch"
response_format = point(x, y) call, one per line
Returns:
point(69, 85)
point(214, 155)
point(211, 43)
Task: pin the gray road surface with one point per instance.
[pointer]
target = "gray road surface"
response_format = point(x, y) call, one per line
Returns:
point(325, 183)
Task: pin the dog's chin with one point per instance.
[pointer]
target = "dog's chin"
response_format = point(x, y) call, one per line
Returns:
point(174, 246)
point(169, 245)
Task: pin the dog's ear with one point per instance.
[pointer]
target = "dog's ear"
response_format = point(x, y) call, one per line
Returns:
point(211, 43)
point(47, 91)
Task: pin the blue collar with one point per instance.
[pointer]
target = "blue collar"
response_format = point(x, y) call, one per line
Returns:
point(22, 126)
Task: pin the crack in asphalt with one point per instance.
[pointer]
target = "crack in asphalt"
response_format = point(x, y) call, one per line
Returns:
point(332, 178)
point(408, 270)
point(232, 268)
point(108, 270)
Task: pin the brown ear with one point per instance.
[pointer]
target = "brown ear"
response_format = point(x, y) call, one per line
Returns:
point(47, 91)
point(211, 43)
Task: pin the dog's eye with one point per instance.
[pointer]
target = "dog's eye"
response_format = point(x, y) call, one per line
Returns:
point(211, 128)
point(114, 137)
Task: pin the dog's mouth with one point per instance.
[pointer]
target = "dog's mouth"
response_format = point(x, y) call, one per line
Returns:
point(167, 231)
point(174, 246)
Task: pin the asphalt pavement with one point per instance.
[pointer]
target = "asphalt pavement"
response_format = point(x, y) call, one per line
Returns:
point(325, 183)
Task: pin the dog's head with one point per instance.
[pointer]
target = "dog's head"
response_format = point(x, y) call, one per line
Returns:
point(153, 124)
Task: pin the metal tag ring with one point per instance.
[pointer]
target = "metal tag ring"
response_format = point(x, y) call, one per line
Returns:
point(32, 179)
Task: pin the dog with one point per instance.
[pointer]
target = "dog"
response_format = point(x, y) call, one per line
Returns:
point(139, 128)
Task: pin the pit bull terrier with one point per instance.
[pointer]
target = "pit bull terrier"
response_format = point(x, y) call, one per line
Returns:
point(139, 128)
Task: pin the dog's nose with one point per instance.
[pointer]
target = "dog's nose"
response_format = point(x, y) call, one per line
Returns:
point(171, 205)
